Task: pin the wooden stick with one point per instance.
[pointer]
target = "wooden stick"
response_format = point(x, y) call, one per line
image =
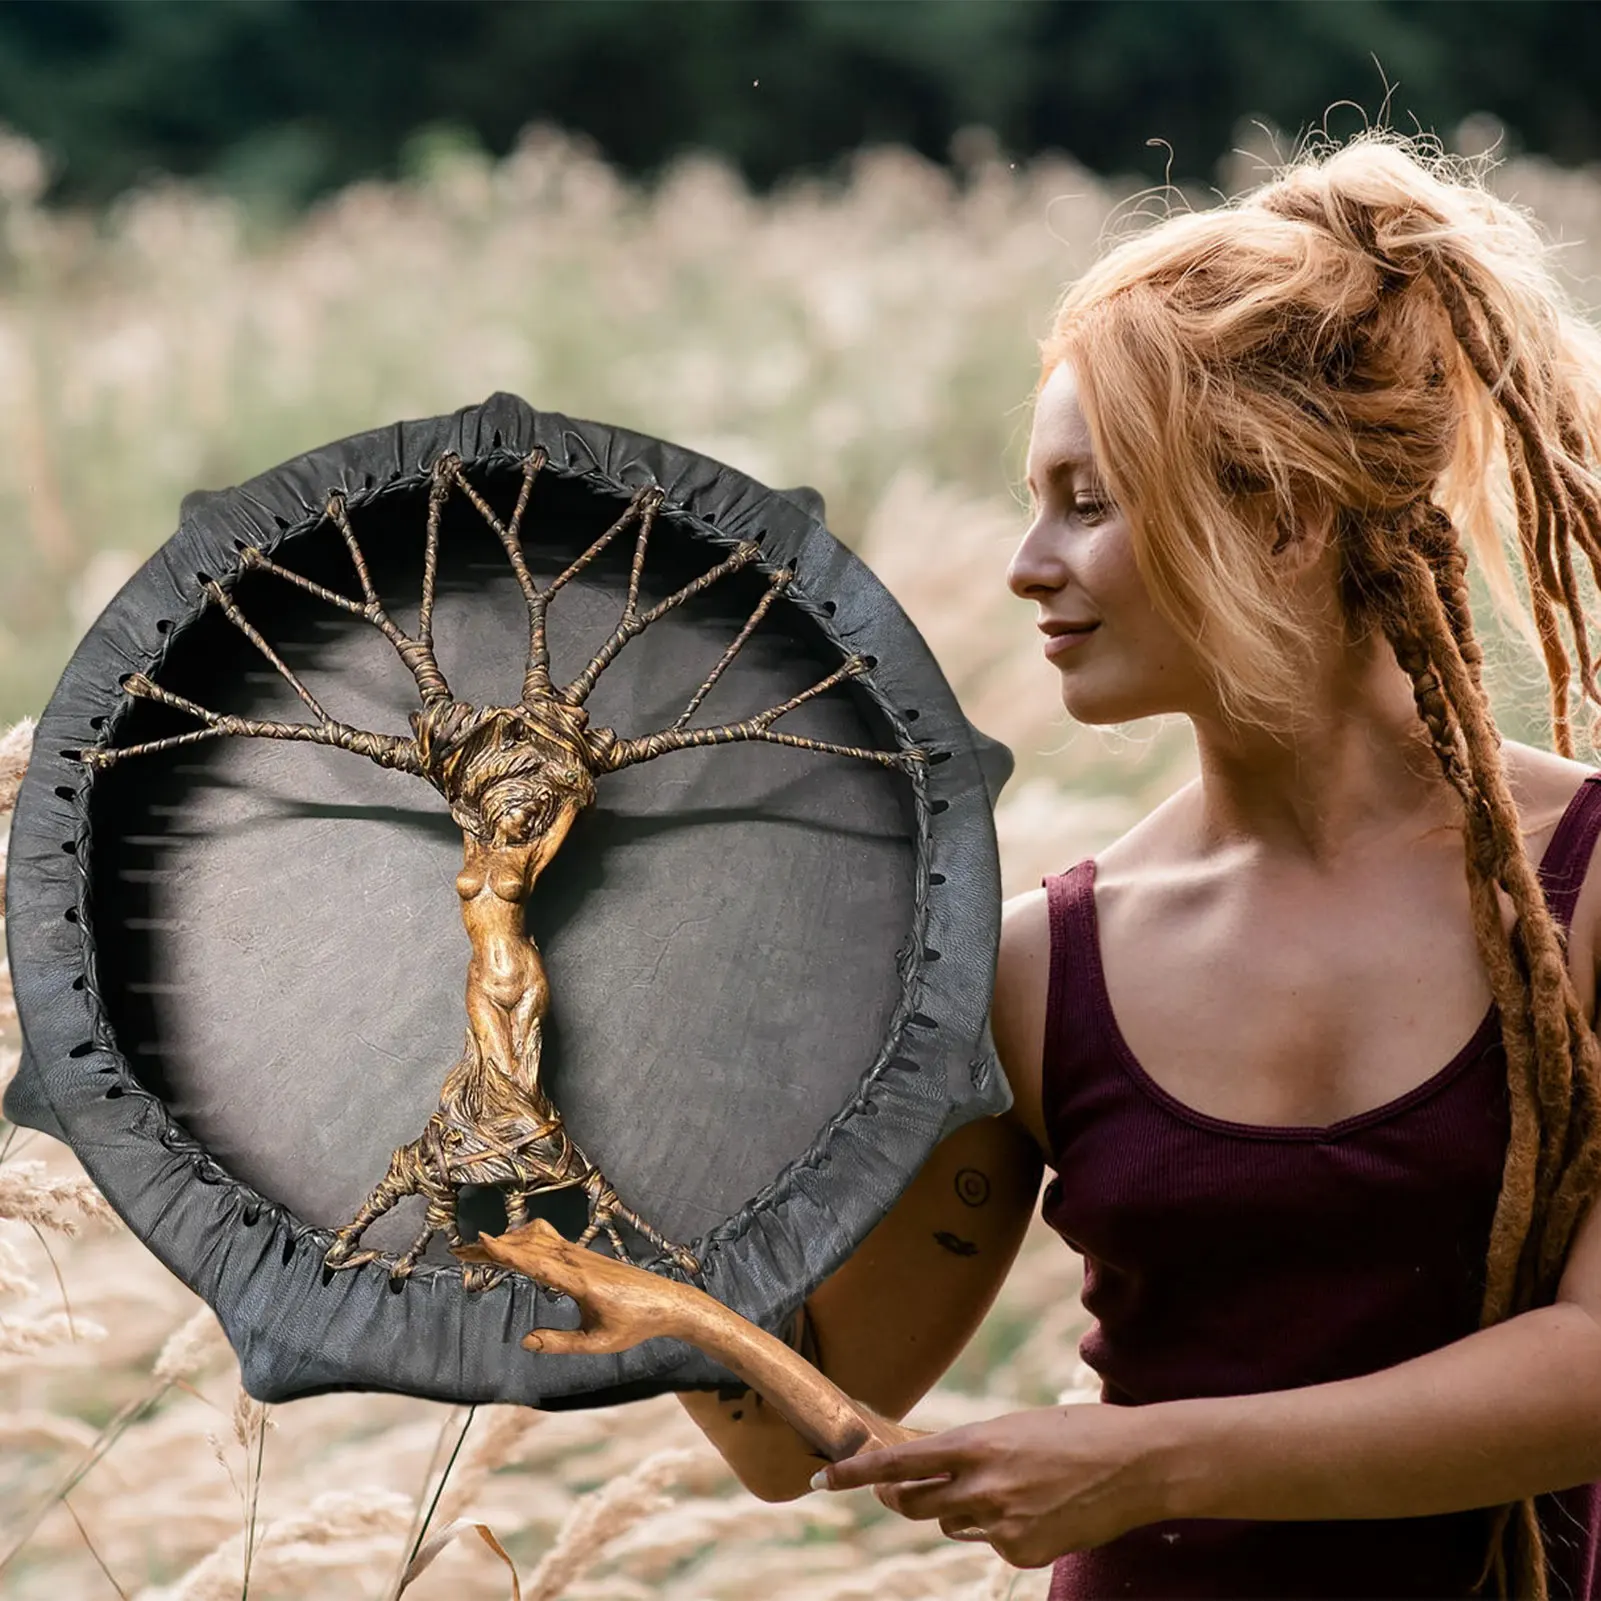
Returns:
point(623, 1305)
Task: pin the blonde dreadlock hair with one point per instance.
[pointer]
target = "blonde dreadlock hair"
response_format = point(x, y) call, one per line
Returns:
point(1374, 336)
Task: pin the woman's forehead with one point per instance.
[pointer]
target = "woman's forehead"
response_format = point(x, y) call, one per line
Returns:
point(1060, 439)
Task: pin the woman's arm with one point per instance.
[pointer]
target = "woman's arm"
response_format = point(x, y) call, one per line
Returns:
point(895, 1316)
point(1509, 1412)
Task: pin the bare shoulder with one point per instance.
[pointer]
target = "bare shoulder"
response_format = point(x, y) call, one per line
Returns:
point(1022, 992)
point(1023, 974)
point(1542, 786)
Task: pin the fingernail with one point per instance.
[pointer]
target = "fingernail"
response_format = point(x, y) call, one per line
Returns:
point(532, 1342)
point(820, 1479)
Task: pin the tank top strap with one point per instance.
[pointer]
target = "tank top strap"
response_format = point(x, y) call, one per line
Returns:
point(1567, 857)
point(1073, 1015)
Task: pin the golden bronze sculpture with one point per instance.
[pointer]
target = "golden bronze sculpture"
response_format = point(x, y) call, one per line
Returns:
point(515, 778)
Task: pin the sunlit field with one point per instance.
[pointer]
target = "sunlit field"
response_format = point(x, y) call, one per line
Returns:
point(873, 337)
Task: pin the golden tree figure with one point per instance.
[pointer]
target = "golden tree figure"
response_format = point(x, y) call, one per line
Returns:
point(515, 778)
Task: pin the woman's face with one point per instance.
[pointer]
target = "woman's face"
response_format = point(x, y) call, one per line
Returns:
point(1118, 658)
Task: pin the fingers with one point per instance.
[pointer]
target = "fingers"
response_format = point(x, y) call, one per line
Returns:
point(929, 1499)
point(567, 1342)
point(956, 1528)
point(894, 1496)
point(931, 1457)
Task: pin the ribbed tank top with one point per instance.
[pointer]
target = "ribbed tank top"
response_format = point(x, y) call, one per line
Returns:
point(1227, 1259)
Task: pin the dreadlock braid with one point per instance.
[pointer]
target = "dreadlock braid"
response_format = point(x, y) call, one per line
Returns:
point(1558, 507)
point(1375, 341)
point(1529, 976)
point(1419, 629)
point(1552, 489)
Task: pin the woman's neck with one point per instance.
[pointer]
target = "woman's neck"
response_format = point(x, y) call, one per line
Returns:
point(1356, 764)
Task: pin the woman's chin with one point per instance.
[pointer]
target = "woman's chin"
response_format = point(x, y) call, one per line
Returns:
point(1099, 709)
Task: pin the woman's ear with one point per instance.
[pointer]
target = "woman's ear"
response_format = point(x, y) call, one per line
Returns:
point(1302, 538)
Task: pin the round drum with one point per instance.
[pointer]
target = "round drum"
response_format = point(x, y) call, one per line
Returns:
point(240, 962)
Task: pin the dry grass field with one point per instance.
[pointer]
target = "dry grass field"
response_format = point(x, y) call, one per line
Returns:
point(872, 337)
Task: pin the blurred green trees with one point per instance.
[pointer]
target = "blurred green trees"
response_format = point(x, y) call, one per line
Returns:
point(285, 99)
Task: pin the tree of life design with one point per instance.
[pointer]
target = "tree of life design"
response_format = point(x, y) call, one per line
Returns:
point(515, 778)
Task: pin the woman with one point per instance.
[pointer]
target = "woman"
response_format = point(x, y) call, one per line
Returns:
point(1345, 1295)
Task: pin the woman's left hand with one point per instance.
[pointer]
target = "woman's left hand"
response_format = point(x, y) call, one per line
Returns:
point(1033, 1484)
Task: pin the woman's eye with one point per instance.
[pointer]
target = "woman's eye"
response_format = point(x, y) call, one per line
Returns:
point(1092, 511)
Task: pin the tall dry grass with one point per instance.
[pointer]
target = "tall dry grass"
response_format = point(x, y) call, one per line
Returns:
point(872, 337)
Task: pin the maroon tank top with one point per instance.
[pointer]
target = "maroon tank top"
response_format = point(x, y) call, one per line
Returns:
point(1227, 1259)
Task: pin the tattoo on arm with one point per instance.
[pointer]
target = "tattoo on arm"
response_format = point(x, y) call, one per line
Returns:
point(955, 1244)
point(972, 1187)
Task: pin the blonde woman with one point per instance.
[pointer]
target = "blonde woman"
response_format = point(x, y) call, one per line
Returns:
point(1310, 1050)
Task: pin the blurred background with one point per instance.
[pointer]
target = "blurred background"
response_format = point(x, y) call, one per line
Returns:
point(282, 101)
point(817, 239)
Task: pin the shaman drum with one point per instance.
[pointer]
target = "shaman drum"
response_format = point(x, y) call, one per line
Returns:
point(715, 829)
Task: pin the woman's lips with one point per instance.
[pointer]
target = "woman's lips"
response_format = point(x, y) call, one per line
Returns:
point(1066, 639)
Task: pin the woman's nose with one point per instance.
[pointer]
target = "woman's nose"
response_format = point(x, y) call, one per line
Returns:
point(1036, 567)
